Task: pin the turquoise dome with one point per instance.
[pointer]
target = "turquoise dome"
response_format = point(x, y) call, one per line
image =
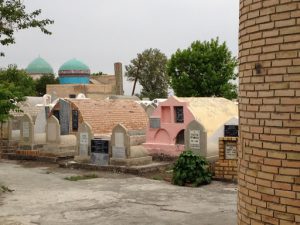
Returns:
point(39, 66)
point(74, 72)
point(74, 64)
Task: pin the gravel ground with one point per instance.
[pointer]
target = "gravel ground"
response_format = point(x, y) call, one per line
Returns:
point(42, 196)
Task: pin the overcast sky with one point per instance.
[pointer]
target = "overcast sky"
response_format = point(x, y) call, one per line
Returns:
point(101, 32)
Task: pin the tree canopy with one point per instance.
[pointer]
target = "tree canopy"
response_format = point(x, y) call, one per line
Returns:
point(14, 17)
point(149, 69)
point(41, 83)
point(14, 86)
point(203, 69)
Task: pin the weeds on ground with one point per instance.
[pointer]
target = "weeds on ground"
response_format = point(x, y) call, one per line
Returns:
point(157, 177)
point(4, 189)
point(81, 177)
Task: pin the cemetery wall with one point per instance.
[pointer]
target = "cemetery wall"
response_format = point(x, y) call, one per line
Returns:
point(94, 91)
point(269, 106)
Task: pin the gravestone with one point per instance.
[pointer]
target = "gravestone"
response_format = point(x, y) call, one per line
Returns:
point(126, 148)
point(40, 121)
point(149, 110)
point(64, 116)
point(195, 137)
point(75, 119)
point(46, 99)
point(84, 136)
point(26, 130)
point(144, 106)
point(53, 130)
point(120, 142)
point(5, 130)
point(14, 127)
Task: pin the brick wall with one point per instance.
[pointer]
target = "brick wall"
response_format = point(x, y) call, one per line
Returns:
point(225, 169)
point(7, 147)
point(269, 153)
point(94, 91)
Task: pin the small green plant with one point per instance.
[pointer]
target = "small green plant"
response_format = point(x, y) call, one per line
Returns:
point(157, 177)
point(191, 169)
point(83, 177)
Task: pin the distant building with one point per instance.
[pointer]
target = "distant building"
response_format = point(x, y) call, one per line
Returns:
point(39, 67)
point(75, 79)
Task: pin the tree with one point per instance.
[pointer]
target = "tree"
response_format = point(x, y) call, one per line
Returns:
point(97, 74)
point(13, 17)
point(203, 69)
point(41, 83)
point(23, 84)
point(149, 69)
point(14, 86)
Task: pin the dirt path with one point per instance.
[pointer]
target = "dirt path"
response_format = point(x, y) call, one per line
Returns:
point(42, 196)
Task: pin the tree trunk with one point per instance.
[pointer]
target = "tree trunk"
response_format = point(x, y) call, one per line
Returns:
point(134, 84)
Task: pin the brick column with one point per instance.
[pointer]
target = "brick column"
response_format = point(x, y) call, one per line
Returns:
point(269, 151)
point(119, 78)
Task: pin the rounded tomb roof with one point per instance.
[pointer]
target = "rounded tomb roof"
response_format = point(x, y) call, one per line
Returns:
point(104, 115)
point(211, 112)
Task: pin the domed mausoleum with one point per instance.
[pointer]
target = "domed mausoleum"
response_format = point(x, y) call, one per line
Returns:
point(74, 72)
point(38, 68)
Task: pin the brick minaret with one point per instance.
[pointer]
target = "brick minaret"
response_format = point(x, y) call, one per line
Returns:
point(269, 153)
point(119, 78)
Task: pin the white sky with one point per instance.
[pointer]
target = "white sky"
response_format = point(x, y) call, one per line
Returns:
point(101, 32)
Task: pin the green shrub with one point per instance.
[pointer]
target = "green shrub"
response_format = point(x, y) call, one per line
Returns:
point(191, 169)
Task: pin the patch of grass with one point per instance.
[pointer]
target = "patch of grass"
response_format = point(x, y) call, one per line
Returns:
point(81, 177)
point(157, 177)
point(4, 189)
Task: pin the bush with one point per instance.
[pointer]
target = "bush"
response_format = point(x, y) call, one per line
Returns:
point(191, 169)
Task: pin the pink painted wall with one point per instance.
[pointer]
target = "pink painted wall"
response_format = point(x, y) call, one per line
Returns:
point(163, 139)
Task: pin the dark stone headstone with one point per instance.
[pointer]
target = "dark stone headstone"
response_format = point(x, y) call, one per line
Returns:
point(64, 117)
point(231, 131)
point(74, 120)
